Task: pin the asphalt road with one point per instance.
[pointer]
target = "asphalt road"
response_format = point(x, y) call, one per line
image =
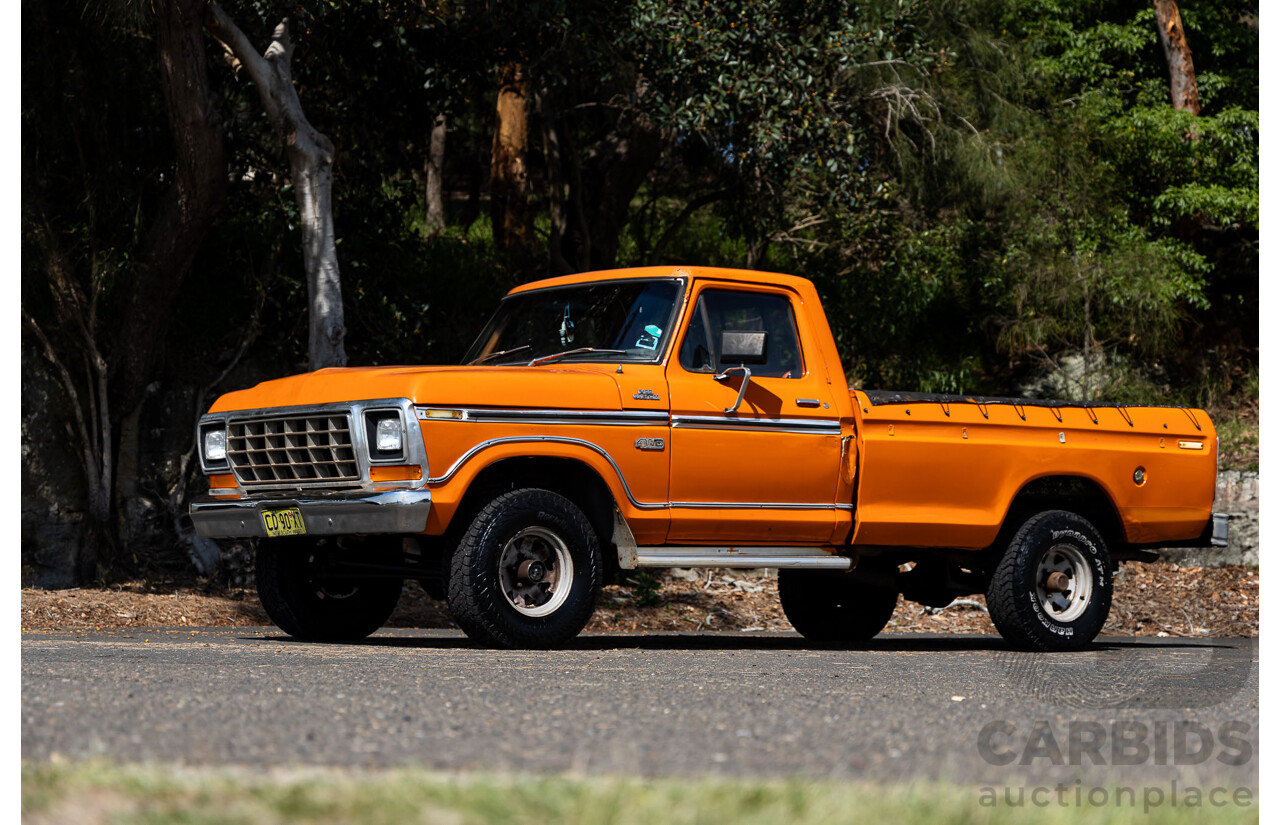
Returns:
point(902, 707)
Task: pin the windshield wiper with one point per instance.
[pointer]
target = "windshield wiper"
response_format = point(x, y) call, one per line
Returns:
point(545, 358)
point(484, 358)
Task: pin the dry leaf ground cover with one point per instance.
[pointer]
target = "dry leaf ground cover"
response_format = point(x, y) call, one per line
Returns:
point(1150, 600)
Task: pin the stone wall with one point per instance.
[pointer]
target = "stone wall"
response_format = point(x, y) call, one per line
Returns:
point(1238, 497)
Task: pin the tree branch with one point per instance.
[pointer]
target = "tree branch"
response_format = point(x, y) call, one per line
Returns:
point(259, 66)
point(681, 219)
point(236, 42)
point(69, 386)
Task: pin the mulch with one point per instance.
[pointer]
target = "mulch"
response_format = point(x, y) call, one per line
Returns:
point(1157, 599)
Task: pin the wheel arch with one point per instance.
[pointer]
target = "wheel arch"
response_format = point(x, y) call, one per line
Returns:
point(1079, 494)
point(572, 478)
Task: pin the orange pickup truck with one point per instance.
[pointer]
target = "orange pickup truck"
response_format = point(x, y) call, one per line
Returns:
point(687, 417)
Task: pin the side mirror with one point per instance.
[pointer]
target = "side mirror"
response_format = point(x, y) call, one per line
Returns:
point(744, 347)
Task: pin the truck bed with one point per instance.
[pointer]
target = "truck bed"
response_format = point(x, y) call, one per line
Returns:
point(940, 470)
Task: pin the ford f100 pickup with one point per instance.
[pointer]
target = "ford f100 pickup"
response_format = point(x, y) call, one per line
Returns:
point(687, 417)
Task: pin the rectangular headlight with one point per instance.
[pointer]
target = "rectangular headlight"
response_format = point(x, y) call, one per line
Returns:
point(389, 437)
point(215, 445)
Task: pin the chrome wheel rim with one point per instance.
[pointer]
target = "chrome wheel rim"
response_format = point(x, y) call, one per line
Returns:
point(336, 593)
point(1064, 583)
point(334, 589)
point(535, 571)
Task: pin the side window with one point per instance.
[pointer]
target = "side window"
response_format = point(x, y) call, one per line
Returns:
point(720, 311)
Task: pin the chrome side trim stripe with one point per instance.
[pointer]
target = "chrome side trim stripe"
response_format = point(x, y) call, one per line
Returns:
point(511, 415)
point(642, 505)
point(804, 426)
point(577, 442)
point(630, 418)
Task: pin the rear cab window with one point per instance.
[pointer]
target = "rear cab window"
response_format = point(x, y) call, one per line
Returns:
point(723, 310)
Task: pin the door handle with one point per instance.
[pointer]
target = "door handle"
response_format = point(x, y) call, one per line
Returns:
point(746, 379)
point(808, 402)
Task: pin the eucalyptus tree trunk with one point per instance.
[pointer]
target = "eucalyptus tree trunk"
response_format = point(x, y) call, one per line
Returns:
point(435, 177)
point(509, 169)
point(187, 208)
point(311, 157)
point(1183, 90)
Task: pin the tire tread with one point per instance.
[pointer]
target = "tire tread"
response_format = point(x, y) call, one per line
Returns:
point(1006, 596)
point(478, 609)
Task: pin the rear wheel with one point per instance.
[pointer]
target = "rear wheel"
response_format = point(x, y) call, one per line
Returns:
point(308, 602)
point(835, 607)
point(1052, 588)
point(527, 572)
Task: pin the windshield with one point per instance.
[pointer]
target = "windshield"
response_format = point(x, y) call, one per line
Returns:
point(609, 321)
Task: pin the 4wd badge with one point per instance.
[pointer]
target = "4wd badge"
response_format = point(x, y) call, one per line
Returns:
point(657, 444)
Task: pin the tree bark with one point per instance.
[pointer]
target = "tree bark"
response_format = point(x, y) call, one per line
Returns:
point(311, 156)
point(118, 358)
point(435, 177)
point(1182, 74)
point(509, 173)
point(187, 209)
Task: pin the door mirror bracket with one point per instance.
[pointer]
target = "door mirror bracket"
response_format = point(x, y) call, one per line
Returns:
point(746, 379)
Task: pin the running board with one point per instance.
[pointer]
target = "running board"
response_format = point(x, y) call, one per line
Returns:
point(792, 557)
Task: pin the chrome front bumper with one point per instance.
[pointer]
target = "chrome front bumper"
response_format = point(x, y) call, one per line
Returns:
point(324, 514)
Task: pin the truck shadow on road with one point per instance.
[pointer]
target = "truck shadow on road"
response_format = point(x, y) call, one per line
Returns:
point(912, 643)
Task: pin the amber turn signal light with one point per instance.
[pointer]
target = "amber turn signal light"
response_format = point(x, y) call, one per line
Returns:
point(398, 473)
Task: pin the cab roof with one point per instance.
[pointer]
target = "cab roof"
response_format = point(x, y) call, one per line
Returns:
point(709, 272)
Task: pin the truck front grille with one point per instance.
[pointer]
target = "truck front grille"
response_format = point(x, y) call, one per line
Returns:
point(302, 449)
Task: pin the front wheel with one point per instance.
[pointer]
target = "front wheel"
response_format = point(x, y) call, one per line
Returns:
point(527, 573)
point(1052, 588)
point(309, 603)
point(835, 607)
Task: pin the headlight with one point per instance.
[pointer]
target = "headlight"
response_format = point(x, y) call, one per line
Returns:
point(215, 445)
point(384, 435)
point(389, 435)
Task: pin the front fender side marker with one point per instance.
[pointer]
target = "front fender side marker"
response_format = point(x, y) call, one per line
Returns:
point(399, 473)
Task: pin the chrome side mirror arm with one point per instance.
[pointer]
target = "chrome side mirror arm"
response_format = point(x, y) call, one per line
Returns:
point(746, 379)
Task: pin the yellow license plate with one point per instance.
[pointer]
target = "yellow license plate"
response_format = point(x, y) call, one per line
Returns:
point(284, 522)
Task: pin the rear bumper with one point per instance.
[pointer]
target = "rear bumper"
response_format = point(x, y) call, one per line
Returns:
point(324, 514)
point(1218, 530)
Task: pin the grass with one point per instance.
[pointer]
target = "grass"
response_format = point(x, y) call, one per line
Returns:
point(99, 792)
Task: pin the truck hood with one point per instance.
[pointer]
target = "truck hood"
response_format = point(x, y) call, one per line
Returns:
point(532, 387)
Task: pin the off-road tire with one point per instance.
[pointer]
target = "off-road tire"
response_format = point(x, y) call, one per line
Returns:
point(833, 607)
point(309, 606)
point(1013, 598)
point(475, 595)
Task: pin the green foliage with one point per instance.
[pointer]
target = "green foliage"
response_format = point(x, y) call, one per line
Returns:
point(976, 186)
point(645, 589)
point(770, 95)
point(990, 195)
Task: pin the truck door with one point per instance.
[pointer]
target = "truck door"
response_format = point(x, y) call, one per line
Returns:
point(758, 465)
